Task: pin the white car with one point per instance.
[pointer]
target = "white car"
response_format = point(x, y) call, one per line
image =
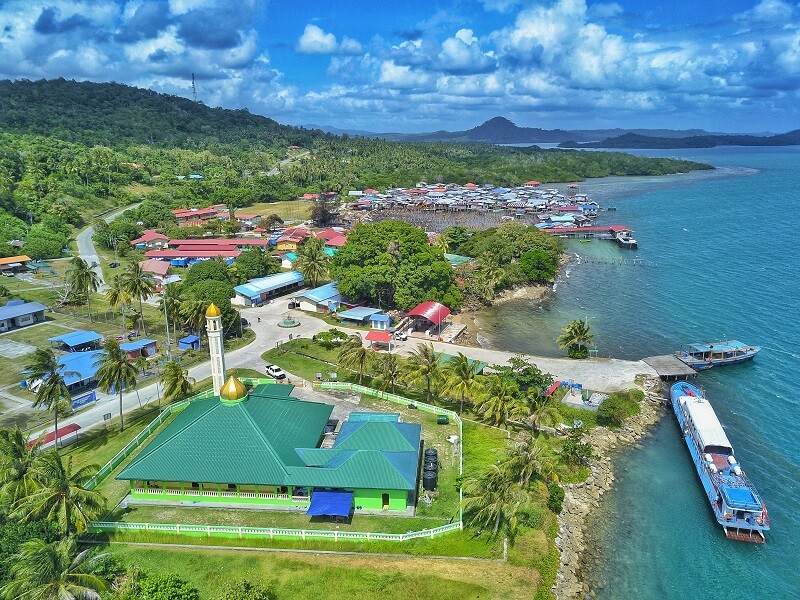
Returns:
point(276, 372)
point(401, 336)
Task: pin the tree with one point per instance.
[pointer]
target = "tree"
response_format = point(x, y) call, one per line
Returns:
point(323, 213)
point(331, 338)
point(312, 261)
point(115, 373)
point(246, 590)
point(423, 366)
point(220, 293)
point(499, 401)
point(140, 362)
point(53, 392)
point(193, 315)
point(176, 381)
point(575, 451)
point(166, 587)
point(170, 303)
point(612, 411)
point(541, 408)
point(576, 338)
point(388, 371)
point(214, 270)
point(255, 263)
point(494, 501)
point(353, 355)
point(13, 534)
point(460, 375)
point(139, 286)
point(118, 297)
point(525, 374)
point(537, 266)
point(61, 495)
point(525, 458)
point(53, 571)
point(84, 279)
point(17, 459)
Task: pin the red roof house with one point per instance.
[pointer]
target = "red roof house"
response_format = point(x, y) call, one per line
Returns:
point(150, 238)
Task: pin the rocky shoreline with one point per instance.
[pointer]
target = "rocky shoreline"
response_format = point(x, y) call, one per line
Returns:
point(581, 498)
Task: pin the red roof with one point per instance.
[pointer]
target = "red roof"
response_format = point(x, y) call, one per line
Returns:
point(149, 235)
point(185, 213)
point(572, 186)
point(157, 267)
point(206, 248)
point(336, 242)
point(532, 183)
point(220, 242)
point(384, 337)
point(327, 234)
point(553, 387)
point(62, 431)
point(310, 196)
point(169, 254)
point(433, 311)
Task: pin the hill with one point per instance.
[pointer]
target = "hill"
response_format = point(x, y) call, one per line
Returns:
point(632, 140)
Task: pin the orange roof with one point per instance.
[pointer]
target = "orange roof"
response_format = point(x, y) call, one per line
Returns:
point(14, 259)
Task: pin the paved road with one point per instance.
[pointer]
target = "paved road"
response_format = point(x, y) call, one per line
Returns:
point(86, 249)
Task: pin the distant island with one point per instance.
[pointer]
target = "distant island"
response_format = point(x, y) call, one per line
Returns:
point(633, 140)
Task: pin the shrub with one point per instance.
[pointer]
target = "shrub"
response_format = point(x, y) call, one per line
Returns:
point(165, 587)
point(555, 497)
point(246, 590)
point(611, 412)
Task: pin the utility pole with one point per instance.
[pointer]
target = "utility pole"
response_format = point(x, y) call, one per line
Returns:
point(194, 89)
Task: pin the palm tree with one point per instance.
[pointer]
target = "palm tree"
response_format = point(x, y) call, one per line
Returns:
point(542, 409)
point(576, 337)
point(500, 403)
point(388, 371)
point(171, 300)
point(141, 364)
point(139, 286)
point(16, 461)
point(61, 495)
point(55, 571)
point(353, 355)
point(115, 373)
point(118, 297)
point(83, 278)
point(312, 261)
point(176, 381)
point(493, 500)
point(52, 392)
point(193, 314)
point(460, 375)
point(423, 366)
point(525, 458)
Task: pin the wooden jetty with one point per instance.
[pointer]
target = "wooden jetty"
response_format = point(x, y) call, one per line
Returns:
point(669, 368)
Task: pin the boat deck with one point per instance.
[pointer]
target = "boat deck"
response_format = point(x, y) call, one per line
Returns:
point(669, 368)
point(745, 535)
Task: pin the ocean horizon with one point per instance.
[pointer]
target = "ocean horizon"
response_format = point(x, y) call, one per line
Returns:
point(714, 263)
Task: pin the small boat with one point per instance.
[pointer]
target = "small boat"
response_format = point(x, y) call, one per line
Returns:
point(705, 356)
point(736, 504)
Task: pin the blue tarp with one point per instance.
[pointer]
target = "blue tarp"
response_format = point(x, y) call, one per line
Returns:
point(330, 503)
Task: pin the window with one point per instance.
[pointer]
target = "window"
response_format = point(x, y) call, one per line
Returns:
point(232, 487)
point(195, 485)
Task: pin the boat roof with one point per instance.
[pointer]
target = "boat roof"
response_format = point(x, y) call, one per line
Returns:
point(720, 346)
point(741, 498)
point(706, 424)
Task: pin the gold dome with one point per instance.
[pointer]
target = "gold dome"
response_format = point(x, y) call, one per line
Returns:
point(233, 390)
point(213, 311)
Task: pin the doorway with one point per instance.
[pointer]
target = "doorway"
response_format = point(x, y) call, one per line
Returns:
point(385, 501)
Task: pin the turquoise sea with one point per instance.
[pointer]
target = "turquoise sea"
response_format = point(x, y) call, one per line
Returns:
point(718, 259)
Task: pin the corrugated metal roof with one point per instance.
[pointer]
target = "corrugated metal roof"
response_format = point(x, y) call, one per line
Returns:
point(256, 287)
point(79, 366)
point(12, 311)
point(433, 311)
point(322, 293)
point(373, 416)
point(359, 313)
point(76, 338)
point(137, 345)
point(378, 435)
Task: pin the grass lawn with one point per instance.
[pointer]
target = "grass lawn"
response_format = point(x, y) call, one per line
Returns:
point(337, 577)
point(288, 210)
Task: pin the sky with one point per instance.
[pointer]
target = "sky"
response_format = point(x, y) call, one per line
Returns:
point(425, 65)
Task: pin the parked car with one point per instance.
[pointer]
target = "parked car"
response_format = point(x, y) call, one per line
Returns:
point(294, 304)
point(400, 335)
point(275, 371)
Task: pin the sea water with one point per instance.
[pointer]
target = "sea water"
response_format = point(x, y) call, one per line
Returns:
point(717, 260)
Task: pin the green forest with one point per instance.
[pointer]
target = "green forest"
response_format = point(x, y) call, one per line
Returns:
point(70, 151)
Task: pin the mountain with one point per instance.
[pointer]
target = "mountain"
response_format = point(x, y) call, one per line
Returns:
point(112, 114)
point(632, 140)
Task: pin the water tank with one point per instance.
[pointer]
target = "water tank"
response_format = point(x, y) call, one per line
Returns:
point(429, 480)
point(708, 458)
point(431, 464)
point(431, 453)
point(731, 460)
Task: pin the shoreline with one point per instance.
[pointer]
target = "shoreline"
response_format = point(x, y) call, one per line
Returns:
point(580, 499)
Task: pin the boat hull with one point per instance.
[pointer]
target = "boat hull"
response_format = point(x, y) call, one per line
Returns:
point(737, 530)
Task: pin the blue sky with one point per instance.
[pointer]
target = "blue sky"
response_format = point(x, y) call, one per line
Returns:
point(412, 65)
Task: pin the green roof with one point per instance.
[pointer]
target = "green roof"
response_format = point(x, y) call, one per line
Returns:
point(272, 390)
point(273, 441)
point(477, 365)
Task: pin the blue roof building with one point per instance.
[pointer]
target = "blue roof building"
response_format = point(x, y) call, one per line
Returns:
point(190, 342)
point(258, 290)
point(79, 368)
point(76, 341)
point(20, 314)
point(142, 347)
point(380, 321)
point(322, 299)
point(358, 314)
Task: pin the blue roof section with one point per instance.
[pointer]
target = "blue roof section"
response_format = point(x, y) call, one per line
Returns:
point(137, 345)
point(189, 339)
point(323, 293)
point(373, 416)
point(719, 347)
point(12, 311)
point(256, 287)
point(76, 338)
point(359, 313)
point(741, 498)
point(330, 503)
point(79, 366)
point(381, 318)
point(290, 256)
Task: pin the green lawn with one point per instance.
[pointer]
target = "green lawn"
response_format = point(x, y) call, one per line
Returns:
point(288, 210)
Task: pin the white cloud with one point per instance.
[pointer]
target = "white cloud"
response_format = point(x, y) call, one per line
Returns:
point(401, 76)
point(316, 41)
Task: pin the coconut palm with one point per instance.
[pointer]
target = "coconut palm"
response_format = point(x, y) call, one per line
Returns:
point(84, 279)
point(353, 355)
point(176, 381)
point(55, 571)
point(141, 364)
point(17, 457)
point(52, 392)
point(542, 408)
point(115, 373)
point(460, 375)
point(193, 315)
point(388, 371)
point(423, 367)
point(60, 495)
point(525, 458)
point(170, 303)
point(493, 500)
point(499, 401)
point(576, 337)
point(312, 261)
point(118, 296)
point(139, 285)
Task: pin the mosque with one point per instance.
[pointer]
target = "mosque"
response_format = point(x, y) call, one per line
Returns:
point(261, 446)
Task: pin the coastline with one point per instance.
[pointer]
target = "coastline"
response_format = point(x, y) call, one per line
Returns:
point(580, 499)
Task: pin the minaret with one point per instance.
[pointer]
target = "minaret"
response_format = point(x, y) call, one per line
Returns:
point(214, 329)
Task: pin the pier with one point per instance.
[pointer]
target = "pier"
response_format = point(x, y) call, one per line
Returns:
point(669, 368)
point(621, 234)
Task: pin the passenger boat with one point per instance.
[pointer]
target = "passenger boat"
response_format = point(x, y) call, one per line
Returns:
point(705, 356)
point(735, 502)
